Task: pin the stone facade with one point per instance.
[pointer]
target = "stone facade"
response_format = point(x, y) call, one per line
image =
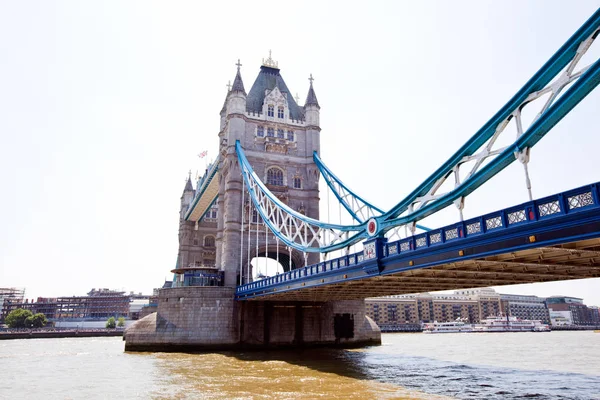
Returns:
point(279, 138)
point(208, 318)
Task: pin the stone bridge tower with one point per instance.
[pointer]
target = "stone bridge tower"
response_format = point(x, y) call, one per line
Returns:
point(278, 137)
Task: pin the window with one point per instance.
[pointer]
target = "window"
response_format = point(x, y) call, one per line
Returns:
point(260, 131)
point(270, 132)
point(212, 213)
point(290, 136)
point(279, 112)
point(271, 111)
point(297, 182)
point(275, 177)
point(280, 133)
point(209, 241)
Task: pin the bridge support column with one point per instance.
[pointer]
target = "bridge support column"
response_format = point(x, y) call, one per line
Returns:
point(208, 319)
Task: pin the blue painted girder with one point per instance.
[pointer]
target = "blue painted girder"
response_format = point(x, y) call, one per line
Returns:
point(562, 218)
point(570, 99)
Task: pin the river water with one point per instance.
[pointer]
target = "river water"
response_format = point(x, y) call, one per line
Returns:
point(556, 365)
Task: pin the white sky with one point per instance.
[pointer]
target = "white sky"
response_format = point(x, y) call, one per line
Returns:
point(104, 106)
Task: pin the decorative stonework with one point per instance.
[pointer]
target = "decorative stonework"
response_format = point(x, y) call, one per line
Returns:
point(276, 148)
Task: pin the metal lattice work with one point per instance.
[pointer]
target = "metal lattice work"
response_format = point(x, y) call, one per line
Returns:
point(358, 208)
point(515, 217)
point(493, 223)
point(451, 234)
point(556, 89)
point(475, 227)
point(580, 200)
point(480, 158)
point(291, 227)
point(549, 208)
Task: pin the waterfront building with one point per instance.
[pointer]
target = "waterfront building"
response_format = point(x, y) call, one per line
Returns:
point(470, 305)
point(580, 313)
point(9, 295)
point(80, 311)
point(525, 307)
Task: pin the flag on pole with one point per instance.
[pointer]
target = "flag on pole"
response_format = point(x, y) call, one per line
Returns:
point(203, 154)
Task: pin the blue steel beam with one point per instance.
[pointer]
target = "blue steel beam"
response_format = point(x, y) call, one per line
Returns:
point(540, 80)
point(586, 82)
point(562, 218)
point(577, 92)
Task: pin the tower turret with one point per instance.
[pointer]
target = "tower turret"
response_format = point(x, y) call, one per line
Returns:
point(187, 195)
point(312, 118)
point(236, 99)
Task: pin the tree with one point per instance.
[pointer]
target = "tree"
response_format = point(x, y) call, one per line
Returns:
point(36, 321)
point(111, 324)
point(121, 322)
point(17, 318)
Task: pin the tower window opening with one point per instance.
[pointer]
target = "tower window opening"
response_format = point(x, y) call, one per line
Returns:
point(270, 132)
point(260, 131)
point(280, 133)
point(271, 111)
point(297, 182)
point(290, 136)
point(275, 177)
point(209, 241)
point(279, 112)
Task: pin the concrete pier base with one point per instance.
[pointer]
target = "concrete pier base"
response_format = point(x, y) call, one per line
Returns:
point(209, 319)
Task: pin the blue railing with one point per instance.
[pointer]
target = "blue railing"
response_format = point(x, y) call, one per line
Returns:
point(569, 202)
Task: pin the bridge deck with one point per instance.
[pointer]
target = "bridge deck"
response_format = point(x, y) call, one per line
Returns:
point(570, 261)
point(550, 239)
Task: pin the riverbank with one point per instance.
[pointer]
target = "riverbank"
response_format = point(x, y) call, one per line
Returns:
point(55, 334)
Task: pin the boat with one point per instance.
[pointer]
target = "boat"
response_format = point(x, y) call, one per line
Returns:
point(510, 324)
point(457, 326)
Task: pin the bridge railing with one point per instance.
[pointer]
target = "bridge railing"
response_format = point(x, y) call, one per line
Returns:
point(572, 201)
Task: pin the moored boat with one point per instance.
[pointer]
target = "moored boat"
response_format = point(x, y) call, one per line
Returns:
point(510, 324)
point(457, 326)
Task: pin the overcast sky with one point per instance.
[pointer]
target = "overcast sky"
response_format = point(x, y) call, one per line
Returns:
point(105, 105)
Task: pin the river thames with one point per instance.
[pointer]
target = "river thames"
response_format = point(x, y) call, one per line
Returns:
point(556, 365)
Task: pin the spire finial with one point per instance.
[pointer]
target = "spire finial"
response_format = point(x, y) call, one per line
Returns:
point(228, 86)
point(190, 174)
point(297, 98)
point(311, 79)
point(269, 62)
point(238, 65)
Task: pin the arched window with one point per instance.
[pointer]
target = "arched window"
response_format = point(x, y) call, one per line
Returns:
point(270, 132)
point(297, 182)
point(260, 131)
point(280, 133)
point(290, 136)
point(279, 112)
point(271, 111)
point(209, 241)
point(275, 177)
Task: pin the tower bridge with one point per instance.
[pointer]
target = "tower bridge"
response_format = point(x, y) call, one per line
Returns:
point(260, 198)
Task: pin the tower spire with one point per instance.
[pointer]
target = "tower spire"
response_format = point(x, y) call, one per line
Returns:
point(311, 98)
point(238, 85)
point(188, 184)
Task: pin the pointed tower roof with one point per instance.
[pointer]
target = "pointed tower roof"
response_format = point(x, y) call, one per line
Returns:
point(238, 85)
point(268, 78)
point(188, 184)
point(311, 98)
point(226, 96)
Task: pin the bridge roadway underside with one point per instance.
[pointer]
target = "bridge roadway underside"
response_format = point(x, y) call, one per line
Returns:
point(576, 260)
